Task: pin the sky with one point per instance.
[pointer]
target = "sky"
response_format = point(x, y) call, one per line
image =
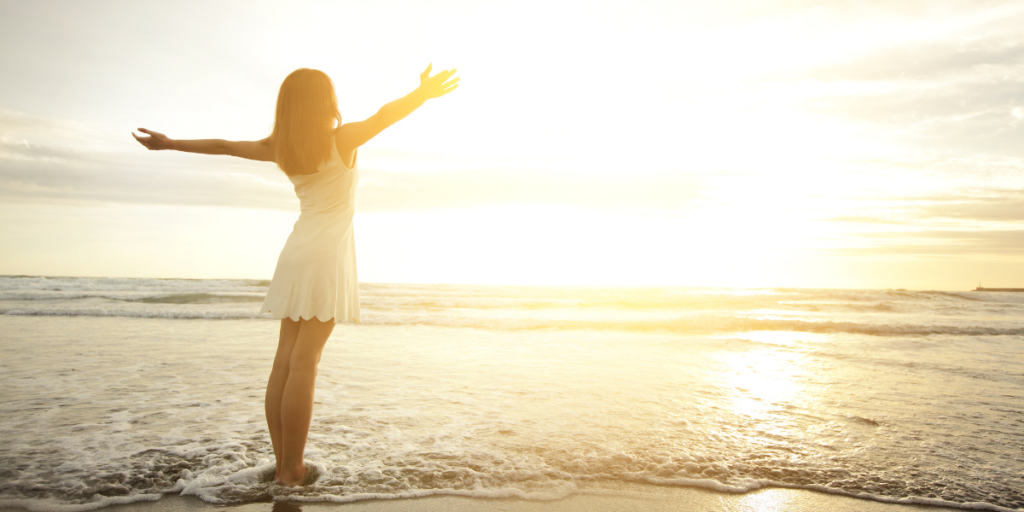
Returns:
point(784, 143)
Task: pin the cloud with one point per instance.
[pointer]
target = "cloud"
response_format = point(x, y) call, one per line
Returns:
point(126, 173)
point(33, 173)
point(966, 118)
point(960, 93)
point(39, 131)
point(1005, 207)
point(947, 243)
point(930, 60)
point(36, 173)
point(995, 207)
point(863, 219)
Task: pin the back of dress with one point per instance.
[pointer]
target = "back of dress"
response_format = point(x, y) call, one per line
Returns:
point(316, 272)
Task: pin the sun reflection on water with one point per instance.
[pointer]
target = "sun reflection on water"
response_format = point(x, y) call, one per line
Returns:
point(764, 502)
point(762, 379)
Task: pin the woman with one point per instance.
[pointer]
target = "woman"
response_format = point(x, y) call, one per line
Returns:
point(314, 284)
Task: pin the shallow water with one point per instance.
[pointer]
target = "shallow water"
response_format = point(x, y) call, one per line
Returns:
point(113, 390)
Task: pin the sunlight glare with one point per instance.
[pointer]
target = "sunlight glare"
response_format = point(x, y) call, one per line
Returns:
point(764, 379)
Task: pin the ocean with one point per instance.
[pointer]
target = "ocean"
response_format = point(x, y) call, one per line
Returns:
point(122, 390)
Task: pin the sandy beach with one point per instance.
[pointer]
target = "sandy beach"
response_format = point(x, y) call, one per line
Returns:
point(633, 498)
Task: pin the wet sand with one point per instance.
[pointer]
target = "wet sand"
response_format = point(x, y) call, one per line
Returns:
point(638, 498)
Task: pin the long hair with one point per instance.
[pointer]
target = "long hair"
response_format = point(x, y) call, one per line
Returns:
point(307, 112)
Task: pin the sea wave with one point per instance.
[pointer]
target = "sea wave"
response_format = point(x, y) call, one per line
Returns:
point(80, 300)
point(12, 283)
point(520, 297)
point(229, 474)
point(700, 324)
point(151, 298)
point(697, 324)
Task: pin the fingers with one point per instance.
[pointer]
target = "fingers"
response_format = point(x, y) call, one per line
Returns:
point(152, 133)
point(440, 84)
point(439, 77)
point(439, 90)
point(448, 90)
point(145, 142)
point(444, 75)
point(448, 85)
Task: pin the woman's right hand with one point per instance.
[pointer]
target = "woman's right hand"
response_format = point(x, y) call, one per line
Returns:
point(155, 141)
point(439, 84)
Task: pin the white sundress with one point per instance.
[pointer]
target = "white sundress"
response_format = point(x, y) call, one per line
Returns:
point(316, 272)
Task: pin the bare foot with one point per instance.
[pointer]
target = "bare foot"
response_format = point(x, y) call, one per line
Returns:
point(306, 475)
point(290, 478)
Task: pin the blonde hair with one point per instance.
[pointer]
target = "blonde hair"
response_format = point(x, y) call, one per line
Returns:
point(307, 112)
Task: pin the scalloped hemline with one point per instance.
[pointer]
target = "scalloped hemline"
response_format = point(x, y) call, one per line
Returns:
point(296, 318)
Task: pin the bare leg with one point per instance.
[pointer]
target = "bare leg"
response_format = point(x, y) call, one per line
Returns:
point(297, 399)
point(275, 385)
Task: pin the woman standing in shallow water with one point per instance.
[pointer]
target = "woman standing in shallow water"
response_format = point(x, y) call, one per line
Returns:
point(315, 283)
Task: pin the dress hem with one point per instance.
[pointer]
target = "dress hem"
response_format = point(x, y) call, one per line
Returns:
point(295, 317)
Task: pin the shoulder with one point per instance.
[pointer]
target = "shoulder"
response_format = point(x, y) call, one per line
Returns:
point(345, 135)
point(345, 143)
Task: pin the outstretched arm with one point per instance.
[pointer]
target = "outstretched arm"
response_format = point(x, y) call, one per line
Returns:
point(352, 135)
point(252, 150)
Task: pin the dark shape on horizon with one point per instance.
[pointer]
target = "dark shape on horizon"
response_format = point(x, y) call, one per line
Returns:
point(983, 289)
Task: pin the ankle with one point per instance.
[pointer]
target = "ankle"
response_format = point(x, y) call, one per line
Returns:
point(292, 471)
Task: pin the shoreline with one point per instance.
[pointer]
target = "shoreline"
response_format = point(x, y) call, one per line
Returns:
point(628, 497)
point(457, 414)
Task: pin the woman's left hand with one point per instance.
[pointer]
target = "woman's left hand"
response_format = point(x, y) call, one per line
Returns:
point(155, 141)
point(439, 84)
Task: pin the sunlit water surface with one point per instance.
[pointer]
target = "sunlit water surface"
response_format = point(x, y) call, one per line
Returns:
point(119, 390)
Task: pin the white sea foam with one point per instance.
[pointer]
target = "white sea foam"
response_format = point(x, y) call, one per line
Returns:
point(687, 324)
point(537, 394)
